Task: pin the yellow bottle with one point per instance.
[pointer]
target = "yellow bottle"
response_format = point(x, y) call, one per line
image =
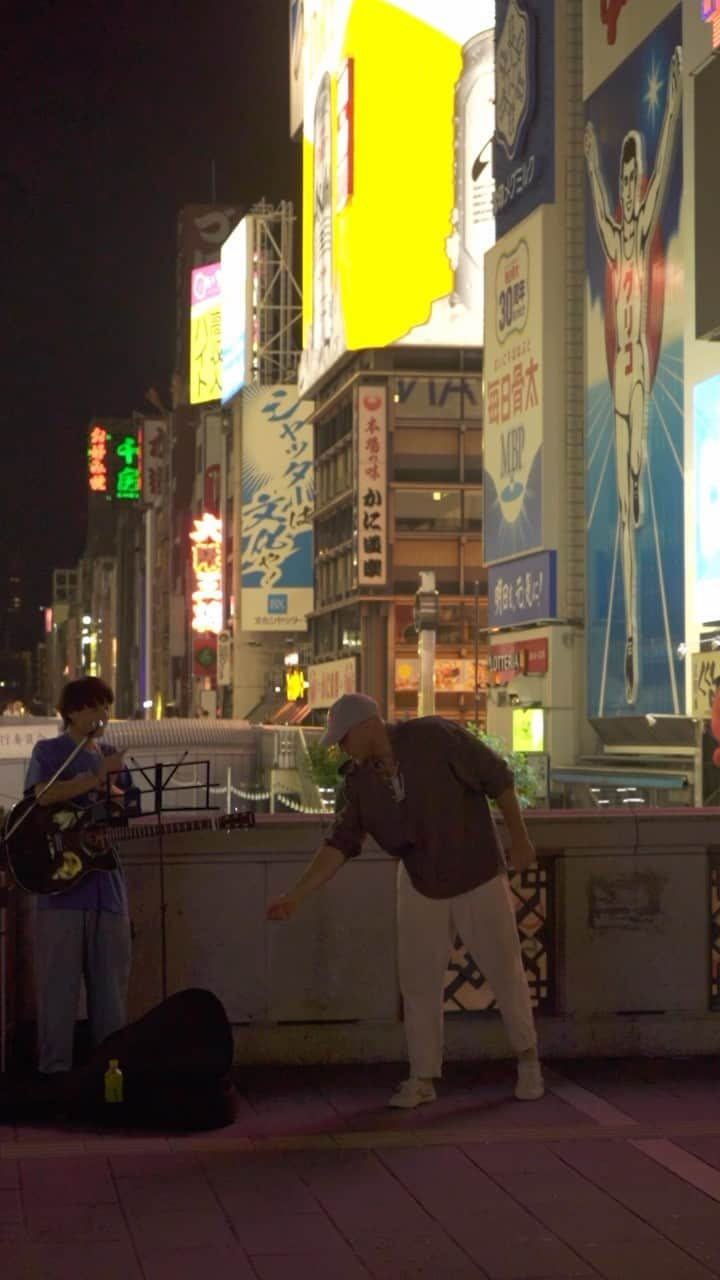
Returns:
point(113, 1082)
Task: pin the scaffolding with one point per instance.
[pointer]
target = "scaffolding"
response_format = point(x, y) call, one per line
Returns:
point(276, 296)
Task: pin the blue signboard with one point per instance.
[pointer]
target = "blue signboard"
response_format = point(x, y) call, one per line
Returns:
point(523, 590)
point(707, 500)
point(524, 144)
point(635, 378)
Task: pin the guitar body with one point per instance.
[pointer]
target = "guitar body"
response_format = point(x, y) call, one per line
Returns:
point(55, 846)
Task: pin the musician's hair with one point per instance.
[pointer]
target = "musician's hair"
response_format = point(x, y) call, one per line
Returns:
point(90, 691)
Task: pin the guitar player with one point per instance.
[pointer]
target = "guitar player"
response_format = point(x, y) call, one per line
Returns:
point(85, 931)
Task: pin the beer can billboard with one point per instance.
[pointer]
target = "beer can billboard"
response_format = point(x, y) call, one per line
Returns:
point(397, 175)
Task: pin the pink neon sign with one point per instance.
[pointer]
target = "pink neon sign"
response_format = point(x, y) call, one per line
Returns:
point(710, 12)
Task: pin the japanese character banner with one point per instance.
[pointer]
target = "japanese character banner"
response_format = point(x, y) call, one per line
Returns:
point(634, 434)
point(372, 486)
point(154, 460)
point(114, 463)
point(514, 369)
point(277, 506)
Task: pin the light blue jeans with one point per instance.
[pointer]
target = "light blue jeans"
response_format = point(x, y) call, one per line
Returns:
point(70, 945)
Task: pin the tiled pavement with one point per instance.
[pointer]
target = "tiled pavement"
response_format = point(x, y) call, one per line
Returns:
point(615, 1173)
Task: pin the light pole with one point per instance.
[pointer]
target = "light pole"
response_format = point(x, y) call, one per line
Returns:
point(427, 610)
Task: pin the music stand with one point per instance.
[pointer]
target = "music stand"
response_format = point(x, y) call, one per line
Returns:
point(158, 783)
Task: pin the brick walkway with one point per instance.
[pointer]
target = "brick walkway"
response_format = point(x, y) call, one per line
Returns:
point(615, 1173)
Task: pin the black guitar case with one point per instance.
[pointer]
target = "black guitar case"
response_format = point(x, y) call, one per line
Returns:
point(176, 1062)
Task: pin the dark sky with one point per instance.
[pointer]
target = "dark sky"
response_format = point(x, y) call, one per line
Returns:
point(112, 116)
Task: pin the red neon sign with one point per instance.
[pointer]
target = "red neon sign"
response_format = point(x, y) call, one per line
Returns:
point(207, 604)
point(97, 460)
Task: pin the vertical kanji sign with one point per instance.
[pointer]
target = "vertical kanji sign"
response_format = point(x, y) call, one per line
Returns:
point(206, 552)
point(154, 460)
point(372, 486)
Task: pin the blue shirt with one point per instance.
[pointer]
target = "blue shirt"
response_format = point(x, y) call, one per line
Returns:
point(100, 890)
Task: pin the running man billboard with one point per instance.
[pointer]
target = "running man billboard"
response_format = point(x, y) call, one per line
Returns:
point(634, 378)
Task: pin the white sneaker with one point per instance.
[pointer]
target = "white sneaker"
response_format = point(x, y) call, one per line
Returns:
point(530, 1085)
point(413, 1093)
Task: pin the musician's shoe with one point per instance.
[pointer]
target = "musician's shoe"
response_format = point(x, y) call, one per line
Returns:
point(530, 1084)
point(630, 671)
point(413, 1093)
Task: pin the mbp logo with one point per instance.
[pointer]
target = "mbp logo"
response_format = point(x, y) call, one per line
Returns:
point(277, 602)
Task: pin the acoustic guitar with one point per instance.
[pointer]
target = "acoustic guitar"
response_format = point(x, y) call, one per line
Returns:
point(56, 846)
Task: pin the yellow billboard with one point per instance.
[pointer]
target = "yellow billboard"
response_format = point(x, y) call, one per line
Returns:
point(205, 334)
point(397, 175)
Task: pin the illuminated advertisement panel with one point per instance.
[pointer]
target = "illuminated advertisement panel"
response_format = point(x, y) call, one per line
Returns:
point(634, 365)
point(397, 175)
point(236, 309)
point(277, 505)
point(205, 334)
point(207, 564)
point(706, 405)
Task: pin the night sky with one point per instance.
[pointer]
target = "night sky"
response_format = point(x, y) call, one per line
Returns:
point(112, 119)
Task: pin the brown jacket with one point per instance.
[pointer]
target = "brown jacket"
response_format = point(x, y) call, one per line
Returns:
point(442, 827)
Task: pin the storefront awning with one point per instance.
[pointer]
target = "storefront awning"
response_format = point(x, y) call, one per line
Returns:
point(661, 780)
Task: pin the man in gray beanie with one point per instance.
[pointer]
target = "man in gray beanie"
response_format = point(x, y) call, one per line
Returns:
point(421, 789)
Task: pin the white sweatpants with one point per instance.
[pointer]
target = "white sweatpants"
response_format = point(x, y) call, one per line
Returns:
point(485, 920)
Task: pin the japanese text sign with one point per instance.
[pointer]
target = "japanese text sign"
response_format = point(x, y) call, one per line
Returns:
point(522, 591)
point(372, 486)
point(278, 494)
point(207, 600)
point(154, 460)
point(114, 461)
point(514, 369)
point(329, 680)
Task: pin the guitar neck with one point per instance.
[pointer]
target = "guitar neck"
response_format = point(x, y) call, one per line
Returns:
point(139, 830)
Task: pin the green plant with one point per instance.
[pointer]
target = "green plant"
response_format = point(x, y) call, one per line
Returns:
point(525, 780)
point(324, 764)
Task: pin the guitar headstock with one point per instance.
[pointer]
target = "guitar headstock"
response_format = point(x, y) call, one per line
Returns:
point(238, 820)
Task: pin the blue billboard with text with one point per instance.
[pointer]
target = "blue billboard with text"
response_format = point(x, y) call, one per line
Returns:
point(523, 590)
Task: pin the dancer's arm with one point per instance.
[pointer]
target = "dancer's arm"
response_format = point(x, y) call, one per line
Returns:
point(607, 228)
